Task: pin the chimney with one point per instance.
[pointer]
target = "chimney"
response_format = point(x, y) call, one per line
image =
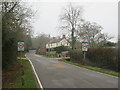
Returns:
point(63, 36)
point(54, 38)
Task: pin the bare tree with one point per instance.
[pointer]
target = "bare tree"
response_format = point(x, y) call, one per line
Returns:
point(71, 19)
point(40, 41)
point(92, 33)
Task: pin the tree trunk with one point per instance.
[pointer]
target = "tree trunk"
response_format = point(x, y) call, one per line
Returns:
point(73, 39)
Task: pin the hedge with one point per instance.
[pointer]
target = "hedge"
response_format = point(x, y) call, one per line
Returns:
point(103, 57)
point(106, 58)
point(76, 56)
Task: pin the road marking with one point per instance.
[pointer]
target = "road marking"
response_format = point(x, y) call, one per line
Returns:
point(40, 85)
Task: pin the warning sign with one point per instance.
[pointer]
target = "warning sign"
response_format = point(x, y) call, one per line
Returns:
point(20, 45)
point(84, 46)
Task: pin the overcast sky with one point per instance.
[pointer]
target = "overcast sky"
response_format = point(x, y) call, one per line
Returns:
point(47, 16)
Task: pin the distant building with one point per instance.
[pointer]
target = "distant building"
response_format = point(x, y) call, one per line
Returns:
point(56, 42)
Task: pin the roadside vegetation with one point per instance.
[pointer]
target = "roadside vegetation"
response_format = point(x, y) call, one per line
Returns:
point(19, 75)
point(16, 26)
point(106, 58)
point(110, 72)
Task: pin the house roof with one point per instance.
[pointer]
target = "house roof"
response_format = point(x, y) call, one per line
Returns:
point(55, 40)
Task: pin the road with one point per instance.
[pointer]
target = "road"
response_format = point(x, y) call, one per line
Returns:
point(55, 74)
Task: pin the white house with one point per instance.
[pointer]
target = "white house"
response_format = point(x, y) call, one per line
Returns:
point(57, 42)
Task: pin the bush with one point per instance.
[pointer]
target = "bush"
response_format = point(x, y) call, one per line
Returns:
point(76, 55)
point(41, 51)
point(60, 49)
point(106, 58)
point(51, 53)
point(103, 57)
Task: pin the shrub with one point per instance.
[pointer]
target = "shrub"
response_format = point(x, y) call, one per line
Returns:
point(103, 57)
point(106, 58)
point(76, 55)
point(41, 51)
point(51, 53)
point(61, 49)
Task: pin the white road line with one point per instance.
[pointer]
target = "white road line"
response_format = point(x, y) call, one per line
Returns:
point(40, 85)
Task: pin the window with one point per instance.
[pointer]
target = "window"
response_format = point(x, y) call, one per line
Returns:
point(67, 44)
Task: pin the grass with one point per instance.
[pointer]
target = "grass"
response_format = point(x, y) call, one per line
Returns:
point(27, 77)
point(19, 75)
point(113, 73)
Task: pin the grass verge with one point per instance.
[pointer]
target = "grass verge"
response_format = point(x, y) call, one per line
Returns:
point(113, 73)
point(23, 76)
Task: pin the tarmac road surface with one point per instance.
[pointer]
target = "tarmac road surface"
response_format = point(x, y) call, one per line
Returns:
point(55, 74)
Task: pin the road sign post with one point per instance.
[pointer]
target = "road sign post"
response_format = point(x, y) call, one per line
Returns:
point(84, 48)
point(21, 47)
point(84, 54)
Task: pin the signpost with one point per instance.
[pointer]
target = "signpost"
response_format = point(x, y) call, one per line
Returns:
point(84, 47)
point(20, 47)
